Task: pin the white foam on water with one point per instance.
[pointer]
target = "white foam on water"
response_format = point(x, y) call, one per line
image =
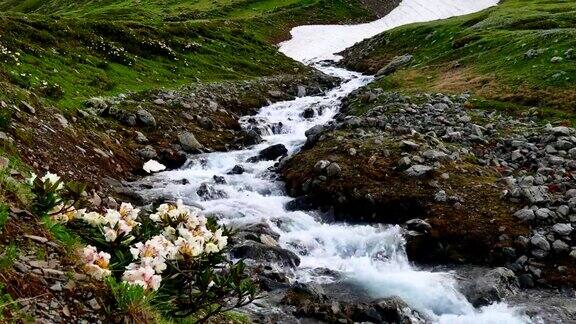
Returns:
point(371, 256)
point(323, 42)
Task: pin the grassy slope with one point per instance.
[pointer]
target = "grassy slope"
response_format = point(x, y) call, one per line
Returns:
point(485, 53)
point(87, 48)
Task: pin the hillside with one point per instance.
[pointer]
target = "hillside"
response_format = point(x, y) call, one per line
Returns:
point(515, 56)
point(91, 90)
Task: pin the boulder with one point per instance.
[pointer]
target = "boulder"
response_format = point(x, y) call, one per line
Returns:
point(237, 169)
point(493, 286)
point(394, 65)
point(207, 192)
point(270, 153)
point(145, 118)
point(188, 142)
point(418, 170)
point(263, 253)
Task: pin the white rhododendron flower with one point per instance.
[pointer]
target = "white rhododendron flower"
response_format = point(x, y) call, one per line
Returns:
point(154, 252)
point(144, 276)
point(64, 216)
point(96, 263)
point(94, 219)
point(52, 179)
point(32, 178)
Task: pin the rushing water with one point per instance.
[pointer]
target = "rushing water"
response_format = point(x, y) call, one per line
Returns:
point(371, 256)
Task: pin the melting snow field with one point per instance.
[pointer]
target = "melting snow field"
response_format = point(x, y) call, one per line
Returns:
point(371, 256)
point(323, 42)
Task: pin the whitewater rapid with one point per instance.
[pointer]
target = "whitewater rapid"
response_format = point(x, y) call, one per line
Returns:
point(373, 257)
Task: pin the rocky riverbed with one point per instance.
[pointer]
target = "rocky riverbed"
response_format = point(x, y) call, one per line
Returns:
point(468, 186)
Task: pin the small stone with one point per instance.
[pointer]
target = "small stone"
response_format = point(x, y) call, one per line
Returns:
point(62, 120)
point(27, 107)
point(404, 162)
point(560, 246)
point(56, 287)
point(540, 242)
point(441, 196)
point(4, 162)
point(562, 229)
point(268, 240)
point(418, 170)
point(188, 142)
point(409, 145)
point(145, 118)
point(525, 214)
point(321, 165)
point(141, 138)
point(556, 59)
point(573, 253)
point(94, 304)
point(434, 155)
point(333, 170)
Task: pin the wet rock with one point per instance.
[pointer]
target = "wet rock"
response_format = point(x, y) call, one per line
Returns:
point(560, 246)
point(147, 153)
point(172, 159)
point(219, 179)
point(140, 138)
point(207, 192)
point(308, 113)
point(493, 286)
point(188, 142)
point(263, 253)
point(237, 169)
point(301, 203)
point(270, 153)
point(321, 166)
point(419, 225)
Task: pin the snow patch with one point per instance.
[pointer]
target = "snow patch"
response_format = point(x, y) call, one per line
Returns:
point(322, 42)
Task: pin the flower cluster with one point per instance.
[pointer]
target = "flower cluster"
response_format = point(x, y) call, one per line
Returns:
point(114, 224)
point(7, 55)
point(185, 236)
point(96, 263)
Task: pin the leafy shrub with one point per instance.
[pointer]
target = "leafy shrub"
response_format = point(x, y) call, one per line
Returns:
point(54, 197)
point(176, 254)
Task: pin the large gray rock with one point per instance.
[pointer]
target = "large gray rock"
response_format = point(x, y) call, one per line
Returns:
point(394, 65)
point(540, 242)
point(145, 118)
point(261, 252)
point(418, 170)
point(562, 229)
point(536, 194)
point(188, 142)
point(493, 286)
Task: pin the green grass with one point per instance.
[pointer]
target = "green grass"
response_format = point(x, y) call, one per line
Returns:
point(64, 52)
point(485, 53)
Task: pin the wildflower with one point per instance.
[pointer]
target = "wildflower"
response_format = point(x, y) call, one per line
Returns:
point(110, 234)
point(64, 216)
point(52, 179)
point(142, 275)
point(32, 178)
point(96, 263)
point(94, 219)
